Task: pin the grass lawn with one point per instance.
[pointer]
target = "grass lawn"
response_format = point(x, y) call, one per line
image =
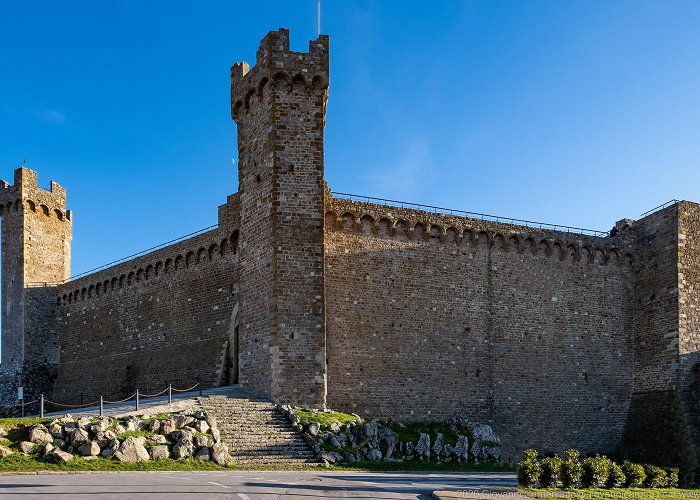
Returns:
point(613, 494)
point(324, 418)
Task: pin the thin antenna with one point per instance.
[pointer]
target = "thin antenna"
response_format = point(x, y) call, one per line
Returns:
point(319, 17)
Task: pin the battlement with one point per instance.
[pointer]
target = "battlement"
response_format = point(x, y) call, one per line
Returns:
point(26, 192)
point(277, 63)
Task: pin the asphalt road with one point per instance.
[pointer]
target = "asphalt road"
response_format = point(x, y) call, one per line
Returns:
point(243, 485)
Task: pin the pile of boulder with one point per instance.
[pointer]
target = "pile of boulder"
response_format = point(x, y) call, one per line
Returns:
point(375, 441)
point(183, 435)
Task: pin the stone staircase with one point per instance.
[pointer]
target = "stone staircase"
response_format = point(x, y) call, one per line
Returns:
point(256, 432)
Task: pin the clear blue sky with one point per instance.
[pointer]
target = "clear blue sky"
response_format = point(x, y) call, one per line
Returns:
point(577, 113)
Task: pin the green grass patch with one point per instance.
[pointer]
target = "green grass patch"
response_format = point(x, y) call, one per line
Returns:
point(325, 419)
point(412, 431)
point(21, 463)
point(612, 494)
point(423, 467)
point(11, 423)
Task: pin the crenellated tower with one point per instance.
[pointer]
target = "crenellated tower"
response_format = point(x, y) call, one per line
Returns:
point(279, 106)
point(36, 238)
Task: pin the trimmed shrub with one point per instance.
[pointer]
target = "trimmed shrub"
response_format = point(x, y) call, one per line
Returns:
point(616, 478)
point(687, 478)
point(634, 474)
point(550, 472)
point(656, 477)
point(571, 468)
point(529, 469)
point(595, 471)
point(672, 475)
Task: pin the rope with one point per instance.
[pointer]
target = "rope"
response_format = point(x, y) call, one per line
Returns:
point(71, 406)
point(153, 395)
point(117, 402)
point(186, 390)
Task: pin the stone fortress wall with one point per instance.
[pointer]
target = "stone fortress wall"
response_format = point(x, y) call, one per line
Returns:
point(555, 339)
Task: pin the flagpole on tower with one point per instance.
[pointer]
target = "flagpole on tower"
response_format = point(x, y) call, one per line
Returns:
point(319, 17)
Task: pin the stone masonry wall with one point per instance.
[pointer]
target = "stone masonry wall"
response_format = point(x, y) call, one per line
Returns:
point(163, 317)
point(432, 315)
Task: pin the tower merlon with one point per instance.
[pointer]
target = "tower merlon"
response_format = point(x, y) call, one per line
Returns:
point(275, 61)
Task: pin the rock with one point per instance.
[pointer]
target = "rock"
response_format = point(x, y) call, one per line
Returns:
point(154, 426)
point(181, 421)
point(60, 456)
point(335, 427)
point(484, 437)
point(167, 427)
point(201, 426)
point(200, 415)
point(374, 455)
point(3, 433)
point(39, 434)
point(90, 449)
point(438, 445)
point(26, 447)
point(95, 429)
point(182, 434)
point(364, 433)
point(294, 418)
point(461, 451)
point(132, 425)
point(423, 447)
point(110, 449)
point(211, 421)
point(329, 457)
point(84, 423)
point(104, 422)
point(119, 429)
point(189, 429)
point(298, 427)
point(314, 427)
point(159, 452)
point(342, 439)
point(157, 439)
point(491, 453)
point(447, 452)
point(142, 425)
point(132, 450)
point(334, 442)
point(215, 434)
point(58, 443)
point(387, 440)
point(5, 451)
point(56, 430)
point(48, 448)
point(64, 420)
point(183, 449)
point(220, 455)
point(350, 458)
point(410, 449)
point(104, 437)
point(202, 441)
point(77, 437)
point(203, 454)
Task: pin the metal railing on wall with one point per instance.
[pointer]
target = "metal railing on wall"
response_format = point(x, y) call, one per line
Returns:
point(42, 402)
point(660, 207)
point(472, 215)
point(39, 284)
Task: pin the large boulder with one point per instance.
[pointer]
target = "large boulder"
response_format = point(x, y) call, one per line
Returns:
point(461, 450)
point(423, 447)
point(387, 440)
point(89, 449)
point(167, 427)
point(56, 430)
point(183, 448)
point(203, 441)
point(157, 439)
point(84, 423)
point(77, 437)
point(364, 433)
point(60, 456)
point(26, 447)
point(154, 425)
point(103, 438)
point(314, 428)
point(110, 449)
point(132, 450)
point(201, 426)
point(438, 445)
point(410, 449)
point(39, 434)
point(203, 454)
point(330, 457)
point(181, 421)
point(374, 455)
point(159, 452)
point(5, 451)
point(220, 455)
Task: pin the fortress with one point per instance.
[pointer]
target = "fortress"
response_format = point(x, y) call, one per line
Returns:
point(554, 338)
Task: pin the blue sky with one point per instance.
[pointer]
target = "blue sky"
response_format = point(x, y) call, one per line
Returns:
point(577, 113)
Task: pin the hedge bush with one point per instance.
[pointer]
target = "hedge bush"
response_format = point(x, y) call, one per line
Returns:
point(597, 472)
point(634, 474)
point(571, 468)
point(550, 472)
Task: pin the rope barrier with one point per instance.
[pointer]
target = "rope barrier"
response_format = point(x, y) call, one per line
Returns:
point(103, 401)
point(186, 390)
point(154, 395)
